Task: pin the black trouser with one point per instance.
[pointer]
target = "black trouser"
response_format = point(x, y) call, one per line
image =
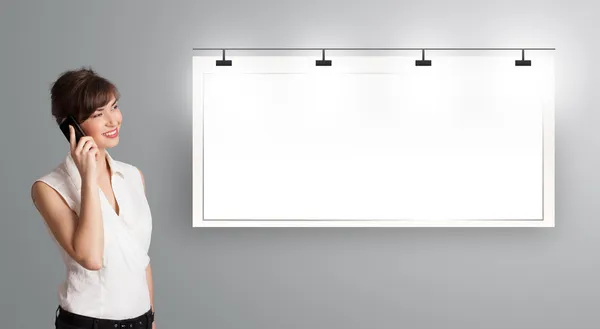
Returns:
point(68, 320)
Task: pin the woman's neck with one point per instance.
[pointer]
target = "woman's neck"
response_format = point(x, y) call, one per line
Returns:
point(102, 163)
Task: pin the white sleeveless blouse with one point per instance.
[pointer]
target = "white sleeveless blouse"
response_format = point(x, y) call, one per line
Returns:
point(118, 290)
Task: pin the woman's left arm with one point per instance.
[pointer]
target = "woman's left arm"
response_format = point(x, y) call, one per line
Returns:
point(149, 267)
point(150, 289)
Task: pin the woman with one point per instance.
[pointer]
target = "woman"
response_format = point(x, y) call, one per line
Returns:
point(96, 209)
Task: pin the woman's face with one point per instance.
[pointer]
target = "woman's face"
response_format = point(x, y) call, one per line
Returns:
point(104, 125)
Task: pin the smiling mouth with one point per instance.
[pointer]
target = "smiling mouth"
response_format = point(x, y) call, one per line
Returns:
point(111, 134)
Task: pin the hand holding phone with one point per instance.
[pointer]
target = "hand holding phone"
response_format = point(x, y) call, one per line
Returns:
point(64, 127)
point(83, 148)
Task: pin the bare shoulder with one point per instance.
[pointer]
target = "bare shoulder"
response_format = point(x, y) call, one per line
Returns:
point(51, 205)
point(142, 176)
point(59, 217)
point(43, 194)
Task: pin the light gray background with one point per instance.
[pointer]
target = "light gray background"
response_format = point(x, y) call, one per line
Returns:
point(297, 277)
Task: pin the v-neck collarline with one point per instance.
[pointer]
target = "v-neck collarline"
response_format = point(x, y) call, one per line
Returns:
point(117, 202)
point(111, 174)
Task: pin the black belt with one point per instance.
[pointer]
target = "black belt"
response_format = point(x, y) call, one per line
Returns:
point(143, 321)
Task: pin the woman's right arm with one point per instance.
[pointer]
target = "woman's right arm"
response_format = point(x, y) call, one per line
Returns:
point(81, 237)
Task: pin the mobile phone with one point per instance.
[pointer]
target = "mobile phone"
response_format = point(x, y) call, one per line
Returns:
point(64, 127)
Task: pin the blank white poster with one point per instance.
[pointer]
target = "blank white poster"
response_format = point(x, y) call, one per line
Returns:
point(462, 140)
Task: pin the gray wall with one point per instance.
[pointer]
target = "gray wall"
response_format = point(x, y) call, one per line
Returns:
point(311, 277)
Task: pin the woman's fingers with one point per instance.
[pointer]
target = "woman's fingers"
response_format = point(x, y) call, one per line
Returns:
point(72, 137)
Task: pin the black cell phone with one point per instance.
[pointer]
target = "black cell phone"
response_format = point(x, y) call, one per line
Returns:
point(64, 127)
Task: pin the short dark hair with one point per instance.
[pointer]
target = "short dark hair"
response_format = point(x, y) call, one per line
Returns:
point(80, 93)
